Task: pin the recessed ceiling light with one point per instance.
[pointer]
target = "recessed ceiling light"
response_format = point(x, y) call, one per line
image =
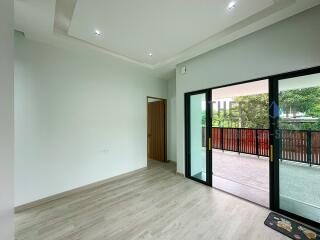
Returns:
point(150, 54)
point(97, 32)
point(232, 5)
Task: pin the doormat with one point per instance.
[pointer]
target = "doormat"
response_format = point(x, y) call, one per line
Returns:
point(291, 228)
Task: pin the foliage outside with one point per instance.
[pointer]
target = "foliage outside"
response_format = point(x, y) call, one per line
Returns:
point(299, 109)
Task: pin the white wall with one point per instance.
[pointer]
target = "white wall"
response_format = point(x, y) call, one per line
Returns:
point(80, 117)
point(286, 46)
point(6, 120)
point(171, 121)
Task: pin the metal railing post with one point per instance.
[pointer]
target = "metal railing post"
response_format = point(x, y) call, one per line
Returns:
point(238, 140)
point(309, 146)
point(280, 143)
point(222, 143)
point(257, 143)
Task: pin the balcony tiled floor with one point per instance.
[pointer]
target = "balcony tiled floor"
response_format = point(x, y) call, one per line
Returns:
point(247, 176)
point(245, 169)
point(300, 189)
point(244, 175)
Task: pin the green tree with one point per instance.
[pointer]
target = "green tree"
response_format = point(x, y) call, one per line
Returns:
point(245, 112)
point(253, 111)
point(306, 101)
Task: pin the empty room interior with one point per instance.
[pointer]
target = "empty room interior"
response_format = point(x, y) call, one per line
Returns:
point(129, 120)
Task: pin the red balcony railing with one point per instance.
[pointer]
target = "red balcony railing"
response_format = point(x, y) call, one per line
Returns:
point(294, 145)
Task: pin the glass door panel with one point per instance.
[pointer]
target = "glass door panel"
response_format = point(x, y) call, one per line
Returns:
point(198, 136)
point(198, 159)
point(298, 146)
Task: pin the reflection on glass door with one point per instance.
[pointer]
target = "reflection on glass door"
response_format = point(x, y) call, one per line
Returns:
point(298, 146)
point(198, 157)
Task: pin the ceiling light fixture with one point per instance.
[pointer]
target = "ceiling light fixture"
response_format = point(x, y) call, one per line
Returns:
point(98, 32)
point(150, 54)
point(231, 5)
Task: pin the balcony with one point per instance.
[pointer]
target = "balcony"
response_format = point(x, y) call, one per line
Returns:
point(241, 166)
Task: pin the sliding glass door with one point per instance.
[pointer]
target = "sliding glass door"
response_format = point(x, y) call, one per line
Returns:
point(296, 138)
point(289, 143)
point(198, 140)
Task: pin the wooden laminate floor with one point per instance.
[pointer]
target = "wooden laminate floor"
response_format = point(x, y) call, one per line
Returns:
point(151, 204)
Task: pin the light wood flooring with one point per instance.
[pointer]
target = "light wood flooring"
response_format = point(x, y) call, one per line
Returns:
point(151, 204)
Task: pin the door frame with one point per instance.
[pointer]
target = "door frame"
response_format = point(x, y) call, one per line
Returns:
point(273, 165)
point(208, 137)
point(274, 126)
point(165, 126)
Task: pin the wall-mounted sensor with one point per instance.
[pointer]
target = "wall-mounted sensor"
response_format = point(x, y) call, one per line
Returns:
point(183, 69)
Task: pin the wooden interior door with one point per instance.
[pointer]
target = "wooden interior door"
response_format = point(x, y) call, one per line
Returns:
point(156, 131)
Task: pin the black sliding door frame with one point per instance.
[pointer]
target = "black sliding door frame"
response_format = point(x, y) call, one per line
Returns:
point(208, 137)
point(273, 144)
point(274, 113)
point(274, 141)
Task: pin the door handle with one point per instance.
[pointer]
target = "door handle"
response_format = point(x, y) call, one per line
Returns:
point(271, 153)
point(210, 145)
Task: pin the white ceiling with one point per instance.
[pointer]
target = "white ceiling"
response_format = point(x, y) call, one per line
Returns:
point(244, 89)
point(166, 27)
point(301, 82)
point(173, 30)
point(33, 16)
